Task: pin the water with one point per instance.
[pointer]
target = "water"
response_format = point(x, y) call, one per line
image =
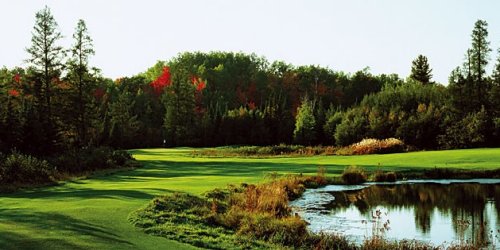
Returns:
point(438, 212)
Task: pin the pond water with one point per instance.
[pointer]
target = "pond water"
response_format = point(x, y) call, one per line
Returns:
point(438, 212)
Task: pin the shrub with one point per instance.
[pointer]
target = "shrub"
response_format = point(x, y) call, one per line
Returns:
point(18, 168)
point(121, 157)
point(375, 146)
point(353, 175)
point(380, 176)
point(290, 231)
point(325, 241)
point(377, 243)
point(91, 159)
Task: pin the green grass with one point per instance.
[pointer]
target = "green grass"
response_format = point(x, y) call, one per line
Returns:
point(93, 213)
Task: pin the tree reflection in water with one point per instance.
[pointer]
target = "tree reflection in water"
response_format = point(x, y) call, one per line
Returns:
point(470, 206)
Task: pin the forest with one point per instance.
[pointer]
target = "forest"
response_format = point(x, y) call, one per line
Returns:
point(60, 102)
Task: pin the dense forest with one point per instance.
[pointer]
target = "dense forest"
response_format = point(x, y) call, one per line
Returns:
point(60, 102)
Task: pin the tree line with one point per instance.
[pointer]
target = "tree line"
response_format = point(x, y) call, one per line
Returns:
point(59, 101)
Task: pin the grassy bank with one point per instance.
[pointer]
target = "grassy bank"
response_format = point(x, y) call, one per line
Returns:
point(92, 213)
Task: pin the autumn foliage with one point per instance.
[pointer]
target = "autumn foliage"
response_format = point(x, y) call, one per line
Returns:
point(164, 80)
point(17, 78)
point(13, 92)
point(198, 83)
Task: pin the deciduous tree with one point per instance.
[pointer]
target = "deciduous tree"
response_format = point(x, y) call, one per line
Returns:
point(305, 123)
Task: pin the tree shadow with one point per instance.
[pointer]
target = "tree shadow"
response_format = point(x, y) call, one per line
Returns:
point(51, 221)
point(14, 241)
point(64, 192)
point(172, 169)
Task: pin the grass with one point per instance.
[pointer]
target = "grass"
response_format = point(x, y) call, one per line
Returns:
point(238, 217)
point(92, 213)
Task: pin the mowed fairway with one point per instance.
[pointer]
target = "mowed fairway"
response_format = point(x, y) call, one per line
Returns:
point(92, 213)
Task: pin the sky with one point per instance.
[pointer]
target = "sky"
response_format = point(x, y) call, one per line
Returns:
point(348, 35)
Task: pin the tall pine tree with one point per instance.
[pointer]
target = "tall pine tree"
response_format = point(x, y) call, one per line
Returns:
point(179, 106)
point(420, 70)
point(80, 78)
point(46, 59)
point(479, 56)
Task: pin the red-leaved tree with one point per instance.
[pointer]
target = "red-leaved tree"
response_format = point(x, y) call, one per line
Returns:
point(200, 85)
point(13, 92)
point(164, 80)
point(17, 78)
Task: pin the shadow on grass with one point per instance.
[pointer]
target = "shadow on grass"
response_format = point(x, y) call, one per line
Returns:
point(14, 241)
point(172, 169)
point(64, 192)
point(48, 222)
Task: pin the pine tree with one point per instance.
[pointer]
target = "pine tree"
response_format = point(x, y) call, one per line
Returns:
point(479, 55)
point(179, 107)
point(80, 78)
point(46, 60)
point(420, 70)
point(495, 92)
point(124, 124)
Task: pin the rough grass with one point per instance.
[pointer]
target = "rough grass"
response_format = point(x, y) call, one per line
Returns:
point(92, 213)
point(246, 217)
point(364, 147)
point(252, 217)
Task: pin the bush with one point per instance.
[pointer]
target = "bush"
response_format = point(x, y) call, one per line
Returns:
point(290, 231)
point(91, 159)
point(18, 168)
point(471, 131)
point(325, 241)
point(375, 146)
point(385, 176)
point(353, 175)
point(121, 157)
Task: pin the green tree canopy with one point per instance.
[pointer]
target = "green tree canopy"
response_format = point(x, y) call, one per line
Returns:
point(305, 123)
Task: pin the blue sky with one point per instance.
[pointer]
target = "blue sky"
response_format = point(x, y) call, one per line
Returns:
point(385, 35)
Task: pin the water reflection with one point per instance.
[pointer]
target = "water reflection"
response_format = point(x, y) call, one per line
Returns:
point(435, 213)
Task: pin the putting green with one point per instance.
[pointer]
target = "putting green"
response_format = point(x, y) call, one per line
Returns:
point(92, 213)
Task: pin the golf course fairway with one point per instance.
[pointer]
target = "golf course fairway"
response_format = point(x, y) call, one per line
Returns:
point(92, 213)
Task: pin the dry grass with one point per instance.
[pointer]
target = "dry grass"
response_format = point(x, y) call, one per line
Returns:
point(381, 176)
point(354, 175)
point(376, 146)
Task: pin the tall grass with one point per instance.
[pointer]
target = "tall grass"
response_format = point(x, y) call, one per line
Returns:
point(366, 146)
point(256, 213)
point(376, 146)
point(354, 175)
point(254, 216)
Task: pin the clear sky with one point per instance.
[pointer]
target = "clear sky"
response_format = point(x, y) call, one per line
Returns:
point(347, 35)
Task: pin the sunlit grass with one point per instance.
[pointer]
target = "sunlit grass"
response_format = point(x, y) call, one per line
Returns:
point(92, 213)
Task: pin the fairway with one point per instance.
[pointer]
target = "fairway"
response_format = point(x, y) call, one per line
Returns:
point(92, 213)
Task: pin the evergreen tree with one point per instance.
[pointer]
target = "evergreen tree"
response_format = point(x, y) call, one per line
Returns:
point(179, 107)
point(320, 120)
point(495, 88)
point(305, 123)
point(123, 122)
point(479, 55)
point(494, 96)
point(46, 58)
point(420, 70)
point(80, 77)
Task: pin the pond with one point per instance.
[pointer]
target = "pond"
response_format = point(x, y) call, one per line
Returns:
point(434, 211)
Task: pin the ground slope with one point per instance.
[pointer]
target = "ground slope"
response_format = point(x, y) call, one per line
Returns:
point(92, 213)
